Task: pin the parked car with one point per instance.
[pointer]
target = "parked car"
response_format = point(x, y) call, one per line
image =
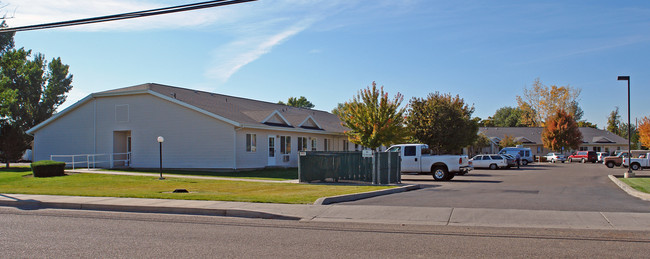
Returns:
point(525, 153)
point(583, 156)
point(617, 160)
point(512, 161)
point(601, 155)
point(555, 157)
point(492, 161)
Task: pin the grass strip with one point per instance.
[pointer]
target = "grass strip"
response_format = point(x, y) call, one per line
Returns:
point(19, 180)
point(277, 174)
point(639, 184)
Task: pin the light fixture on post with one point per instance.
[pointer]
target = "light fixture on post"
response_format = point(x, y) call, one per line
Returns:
point(629, 173)
point(160, 141)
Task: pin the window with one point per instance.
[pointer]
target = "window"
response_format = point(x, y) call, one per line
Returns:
point(314, 144)
point(597, 149)
point(251, 142)
point(394, 149)
point(409, 151)
point(583, 148)
point(356, 147)
point(302, 144)
point(327, 144)
point(345, 145)
point(285, 148)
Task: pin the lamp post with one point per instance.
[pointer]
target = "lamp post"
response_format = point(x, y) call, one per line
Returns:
point(160, 141)
point(629, 173)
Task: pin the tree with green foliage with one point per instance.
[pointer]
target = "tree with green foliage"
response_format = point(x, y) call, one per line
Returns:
point(373, 119)
point(587, 124)
point(34, 89)
point(561, 132)
point(614, 122)
point(301, 102)
point(635, 134)
point(6, 39)
point(507, 117)
point(443, 122)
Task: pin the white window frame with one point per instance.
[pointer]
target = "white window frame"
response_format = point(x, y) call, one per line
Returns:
point(327, 144)
point(285, 148)
point(251, 142)
point(302, 144)
point(314, 144)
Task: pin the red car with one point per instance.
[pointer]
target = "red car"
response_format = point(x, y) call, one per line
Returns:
point(583, 156)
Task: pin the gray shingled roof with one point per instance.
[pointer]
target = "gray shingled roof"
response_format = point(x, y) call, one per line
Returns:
point(534, 134)
point(241, 110)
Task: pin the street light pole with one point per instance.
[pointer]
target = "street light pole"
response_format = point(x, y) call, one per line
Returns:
point(160, 141)
point(629, 173)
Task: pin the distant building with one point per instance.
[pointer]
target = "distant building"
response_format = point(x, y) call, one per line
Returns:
point(200, 129)
point(592, 139)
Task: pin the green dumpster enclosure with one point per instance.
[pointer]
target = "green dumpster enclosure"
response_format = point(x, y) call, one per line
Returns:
point(349, 166)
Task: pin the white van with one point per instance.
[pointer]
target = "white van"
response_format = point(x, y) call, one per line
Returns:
point(525, 153)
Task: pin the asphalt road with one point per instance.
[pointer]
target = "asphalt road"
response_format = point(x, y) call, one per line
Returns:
point(538, 186)
point(87, 234)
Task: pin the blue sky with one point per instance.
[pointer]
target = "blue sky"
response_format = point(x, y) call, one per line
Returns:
point(326, 50)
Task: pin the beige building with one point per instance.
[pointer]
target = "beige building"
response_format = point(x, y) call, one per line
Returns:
point(119, 128)
point(592, 139)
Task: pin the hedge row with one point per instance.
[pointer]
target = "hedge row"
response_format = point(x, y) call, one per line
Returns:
point(48, 168)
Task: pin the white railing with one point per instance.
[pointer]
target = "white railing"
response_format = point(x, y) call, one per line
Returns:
point(92, 160)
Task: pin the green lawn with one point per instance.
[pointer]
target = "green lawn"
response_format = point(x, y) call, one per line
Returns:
point(278, 174)
point(640, 184)
point(19, 180)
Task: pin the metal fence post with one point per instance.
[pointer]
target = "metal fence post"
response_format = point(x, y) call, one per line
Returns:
point(374, 168)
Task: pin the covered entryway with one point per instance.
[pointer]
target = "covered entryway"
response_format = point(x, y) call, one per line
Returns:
point(121, 156)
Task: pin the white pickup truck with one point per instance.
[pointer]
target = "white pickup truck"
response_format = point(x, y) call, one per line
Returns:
point(416, 159)
point(637, 163)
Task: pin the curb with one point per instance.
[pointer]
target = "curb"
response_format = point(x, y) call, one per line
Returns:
point(36, 205)
point(364, 195)
point(631, 191)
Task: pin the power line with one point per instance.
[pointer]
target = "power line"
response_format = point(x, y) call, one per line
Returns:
point(123, 16)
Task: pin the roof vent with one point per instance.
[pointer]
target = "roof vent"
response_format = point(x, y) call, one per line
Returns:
point(174, 95)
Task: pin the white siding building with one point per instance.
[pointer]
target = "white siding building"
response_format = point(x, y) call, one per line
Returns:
point(200, 130)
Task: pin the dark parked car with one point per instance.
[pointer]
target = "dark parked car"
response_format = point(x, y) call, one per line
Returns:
point(583, 156)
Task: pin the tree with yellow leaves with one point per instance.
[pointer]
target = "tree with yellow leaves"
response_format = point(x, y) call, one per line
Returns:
point(644, 131)
point(542, 101)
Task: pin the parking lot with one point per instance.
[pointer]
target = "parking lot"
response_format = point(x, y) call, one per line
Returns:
point(538, 186)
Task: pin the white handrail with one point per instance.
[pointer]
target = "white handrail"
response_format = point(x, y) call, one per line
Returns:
point(92, 159)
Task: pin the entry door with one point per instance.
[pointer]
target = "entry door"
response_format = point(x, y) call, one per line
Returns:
point(272, 152)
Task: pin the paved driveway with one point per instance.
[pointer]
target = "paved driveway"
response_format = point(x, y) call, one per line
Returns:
point(539, 186)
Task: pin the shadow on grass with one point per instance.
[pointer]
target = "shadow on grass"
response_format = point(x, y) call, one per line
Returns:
point(272, 173)
point(15, 169)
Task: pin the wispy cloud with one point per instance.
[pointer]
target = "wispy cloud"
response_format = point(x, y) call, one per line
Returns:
point(232, 57)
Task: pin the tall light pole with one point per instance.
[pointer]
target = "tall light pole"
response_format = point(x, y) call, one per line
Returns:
point(160, 141)
point(629, 173)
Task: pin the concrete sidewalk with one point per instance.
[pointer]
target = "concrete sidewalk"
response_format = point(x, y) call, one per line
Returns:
point(345, 213)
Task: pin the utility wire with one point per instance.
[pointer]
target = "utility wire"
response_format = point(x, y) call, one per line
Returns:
point(123, 16)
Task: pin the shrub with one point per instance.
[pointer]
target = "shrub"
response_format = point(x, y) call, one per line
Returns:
point(48, 168)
